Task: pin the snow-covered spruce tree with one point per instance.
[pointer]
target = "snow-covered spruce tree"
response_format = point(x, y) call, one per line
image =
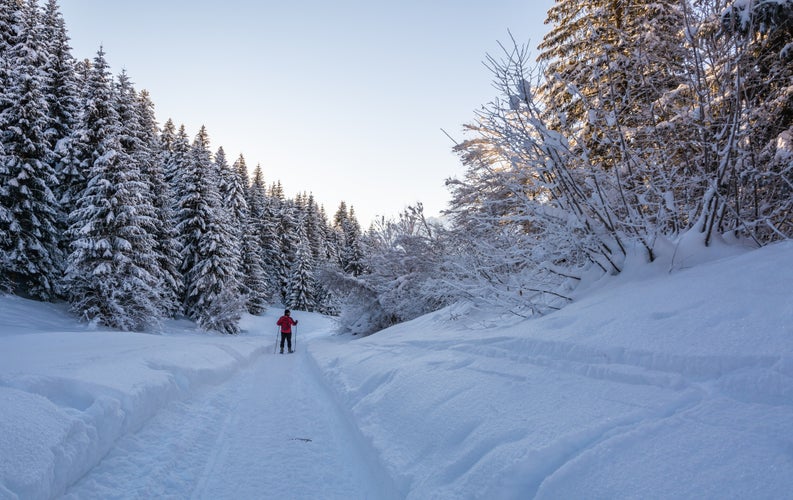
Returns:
point(30, 260)
point(318, 234)
point(265, 230)
point(112, 275)
point(347, 237)
point(233, 189)
point(149, 152)
point(279, 226)
point(234, 207)
point(607, 59)
point(287, 219)
point(302, 287)
point(8, 38)
point(63, 100)
point(251, 265)
point(62, 90)
point(209, 262)
point(316, 229)
point(168, 138)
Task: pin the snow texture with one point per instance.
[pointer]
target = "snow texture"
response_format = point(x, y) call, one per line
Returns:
point(650, 385)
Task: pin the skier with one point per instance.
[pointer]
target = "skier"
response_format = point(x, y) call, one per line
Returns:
point(286, 322)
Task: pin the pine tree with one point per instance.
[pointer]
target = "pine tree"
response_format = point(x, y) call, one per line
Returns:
point(348, 240)
point(209, 265)
point(316, 229)
point(241, 168)
point(167, 248)
point(76, 152)
point(62, 89)
point(235, 210)
point(113, 273)
point(283, 213)
point(166, 152)
point(63, 100)
point(354, 256)
point(253, 280)
point(29, 253)
point(265, 228)
point(10, 10)
point(302, 288)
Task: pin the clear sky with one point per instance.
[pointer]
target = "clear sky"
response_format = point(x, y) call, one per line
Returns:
point(344, 99)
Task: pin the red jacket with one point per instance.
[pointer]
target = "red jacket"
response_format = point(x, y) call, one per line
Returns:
point(285, 322)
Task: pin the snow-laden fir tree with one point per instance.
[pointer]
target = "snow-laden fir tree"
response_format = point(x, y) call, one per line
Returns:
point(233, 194)
point(137, 112)
point(176, 158)
point(113, 273)
point(316, 229)
point(251, 265)
point(263, 228)
point(302, 287)
point(209, 264)
point(347, 237)
point(166, 152)
point(62, 90)
point(63, 100)
point(285, 214)
point(8, 38)
point(266, 228)
point(30, 259)
point(75, 153)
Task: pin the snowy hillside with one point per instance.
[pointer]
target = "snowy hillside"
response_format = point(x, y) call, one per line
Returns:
point(651, 385)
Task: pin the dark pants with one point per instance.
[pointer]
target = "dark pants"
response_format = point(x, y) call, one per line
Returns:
point(288, 338)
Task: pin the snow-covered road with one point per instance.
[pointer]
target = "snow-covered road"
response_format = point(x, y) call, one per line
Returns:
point(271, 431)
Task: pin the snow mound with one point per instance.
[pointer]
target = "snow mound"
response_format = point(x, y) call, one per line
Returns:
point(674, 384)
point(68, 392)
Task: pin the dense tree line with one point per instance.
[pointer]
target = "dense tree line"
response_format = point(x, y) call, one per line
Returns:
point(642, 128)
point(132, 223)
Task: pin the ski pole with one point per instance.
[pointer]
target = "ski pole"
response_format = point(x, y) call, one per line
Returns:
point(277, 334)
point(295, 335)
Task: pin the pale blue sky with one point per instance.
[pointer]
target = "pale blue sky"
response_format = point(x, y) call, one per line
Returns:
point(343, 98)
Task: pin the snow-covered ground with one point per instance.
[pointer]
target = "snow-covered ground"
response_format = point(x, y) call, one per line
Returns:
point(651, 385)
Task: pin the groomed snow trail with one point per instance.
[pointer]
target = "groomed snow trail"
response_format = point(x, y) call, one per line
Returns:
point(272, 431)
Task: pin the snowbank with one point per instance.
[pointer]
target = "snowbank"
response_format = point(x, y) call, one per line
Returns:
point(652, 386)
point(67, 392)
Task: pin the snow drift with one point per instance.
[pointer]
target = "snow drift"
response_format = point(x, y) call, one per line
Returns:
point(653, 385)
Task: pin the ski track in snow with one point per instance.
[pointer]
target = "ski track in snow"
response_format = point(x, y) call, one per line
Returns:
point(272, 431)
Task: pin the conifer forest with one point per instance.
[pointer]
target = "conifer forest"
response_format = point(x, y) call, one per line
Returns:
point(635, 127)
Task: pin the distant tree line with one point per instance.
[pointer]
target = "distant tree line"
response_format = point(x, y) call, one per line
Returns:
point(132, 223)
